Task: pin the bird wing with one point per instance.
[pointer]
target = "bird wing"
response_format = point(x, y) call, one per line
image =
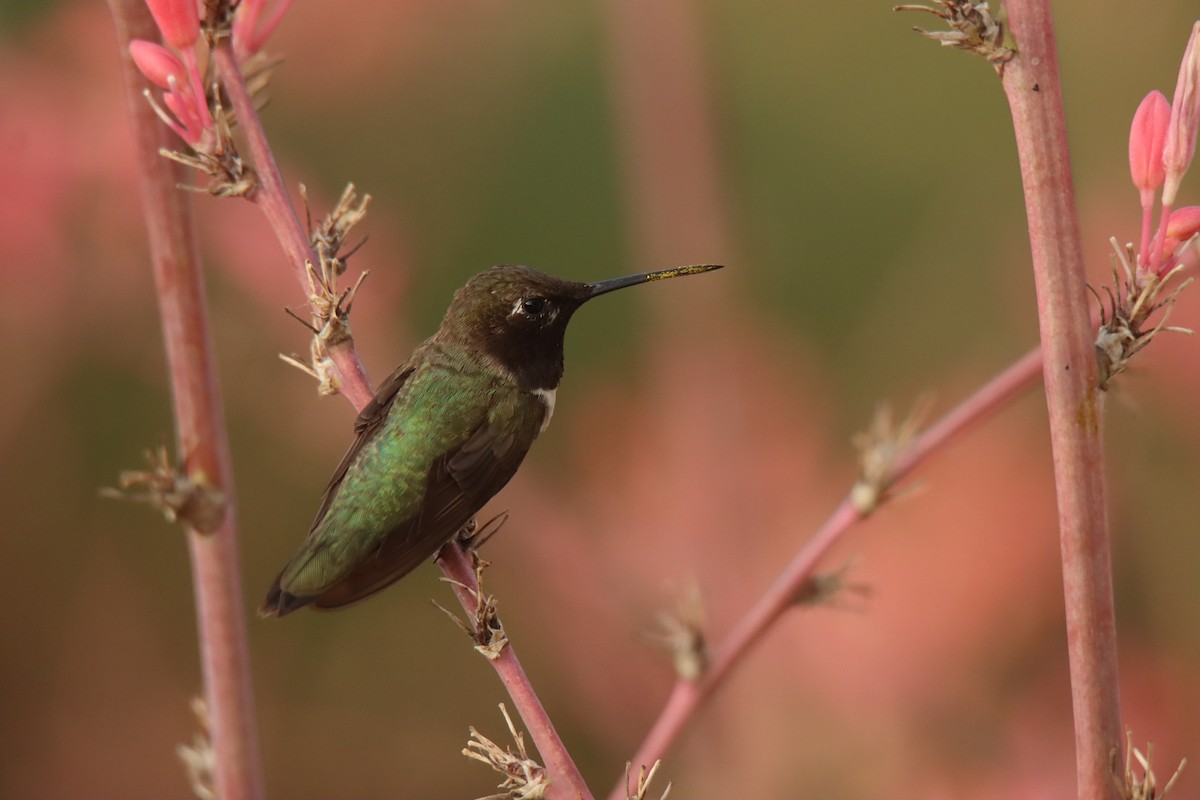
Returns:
point(458, 485)
point(455, 486)
point(279, 601)
point(368, 423)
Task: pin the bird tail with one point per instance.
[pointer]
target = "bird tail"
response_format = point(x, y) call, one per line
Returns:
point(280, 603)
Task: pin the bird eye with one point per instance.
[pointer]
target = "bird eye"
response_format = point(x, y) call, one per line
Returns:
point(533, 306)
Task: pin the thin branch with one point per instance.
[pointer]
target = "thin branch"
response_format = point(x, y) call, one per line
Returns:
point(566, 780)
point(272, 197)
point(688, 695)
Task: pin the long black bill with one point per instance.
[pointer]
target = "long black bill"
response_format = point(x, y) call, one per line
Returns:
point(611, 285)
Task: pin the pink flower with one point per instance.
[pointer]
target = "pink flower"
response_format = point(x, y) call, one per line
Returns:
point(178, 21)
point(1147, 136)
point(248, 35)
point(189, 116)
point(1185, 118)
point(1184, 223)
point(158, 63)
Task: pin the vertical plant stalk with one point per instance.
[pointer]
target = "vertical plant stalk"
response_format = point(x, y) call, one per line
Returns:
point(200, 429)
point(1076, 405)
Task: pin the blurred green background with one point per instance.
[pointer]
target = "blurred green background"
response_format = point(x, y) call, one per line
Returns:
point(861, 185)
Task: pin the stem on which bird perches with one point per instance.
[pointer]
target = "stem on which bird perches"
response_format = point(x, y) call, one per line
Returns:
point(202, 438)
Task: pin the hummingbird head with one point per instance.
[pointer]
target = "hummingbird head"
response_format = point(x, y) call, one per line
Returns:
point(516, 317)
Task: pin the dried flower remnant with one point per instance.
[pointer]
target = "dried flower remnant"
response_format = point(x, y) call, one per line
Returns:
point(330, 325)
point(330, 306)
point(484, 627)
point(220, 160)
point(198, 758)
point(644, 779)
point(681, 633)
point(181, 498)
point(524, 778)
point(331, 232)
point(972, 28)
point(830, 589)
point(880, 447)
point(1125, 327)
point(1144, 788)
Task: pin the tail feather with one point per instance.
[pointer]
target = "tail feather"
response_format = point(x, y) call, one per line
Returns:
point(280, 603)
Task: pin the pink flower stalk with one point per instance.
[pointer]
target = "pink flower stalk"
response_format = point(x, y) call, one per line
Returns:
point(1185, 118)
point(248, 35)
point(178, 20)
point(1147, 138)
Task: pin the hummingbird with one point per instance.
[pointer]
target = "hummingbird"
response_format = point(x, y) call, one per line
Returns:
point(442, 435)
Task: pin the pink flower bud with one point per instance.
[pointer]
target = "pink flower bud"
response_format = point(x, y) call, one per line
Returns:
point(1184, 223)
point(1185, 119)
point(178, 21)
point(1177, 230)
point(157, 63)
point(248, 35)
point(1147, 137)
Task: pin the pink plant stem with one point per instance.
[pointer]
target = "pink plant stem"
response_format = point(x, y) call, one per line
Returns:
point(202, 440)
point(687, 696)
point(1032, 86)
point(566, 781)
point(272, 197)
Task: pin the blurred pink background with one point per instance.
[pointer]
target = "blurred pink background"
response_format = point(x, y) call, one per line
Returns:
point(859, 182)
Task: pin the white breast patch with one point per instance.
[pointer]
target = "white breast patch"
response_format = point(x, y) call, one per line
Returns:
point(547, 396)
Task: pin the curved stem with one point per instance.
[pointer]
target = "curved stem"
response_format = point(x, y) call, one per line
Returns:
point(271, 195)
point(687, 696)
